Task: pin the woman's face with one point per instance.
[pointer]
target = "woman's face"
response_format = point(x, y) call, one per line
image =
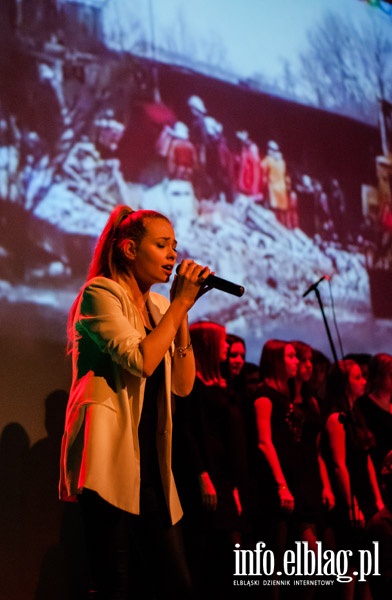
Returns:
point(305, 366)
point(356, 382)
point(291, 361)
point(155, 256)
point(236, 358)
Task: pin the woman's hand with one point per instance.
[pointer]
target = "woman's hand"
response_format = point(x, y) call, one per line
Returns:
point(356, 516)
point(189, 282)
point(328, 498)
point(209, 497)
point(380, 504)
point(237, 500)
point(286, 498)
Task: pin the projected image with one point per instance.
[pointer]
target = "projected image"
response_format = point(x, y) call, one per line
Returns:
point(272, 159)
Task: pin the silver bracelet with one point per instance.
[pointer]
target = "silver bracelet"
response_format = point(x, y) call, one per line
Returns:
point(182, 349)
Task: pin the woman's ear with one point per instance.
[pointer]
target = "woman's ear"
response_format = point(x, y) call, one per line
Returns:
point(130, 249)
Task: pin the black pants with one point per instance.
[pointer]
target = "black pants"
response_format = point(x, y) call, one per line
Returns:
point(133, 557)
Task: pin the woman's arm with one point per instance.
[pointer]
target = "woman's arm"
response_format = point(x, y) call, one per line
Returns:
point(328, 497)
point(195, 448)
point(186, 289)
point(263, 410)
point(374, 484)
point(173, 326)
point(102, 316)
point(327, 494)
point(183, 365)
point(337, 441)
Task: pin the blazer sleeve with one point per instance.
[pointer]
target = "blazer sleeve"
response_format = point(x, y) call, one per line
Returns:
point(112, 322)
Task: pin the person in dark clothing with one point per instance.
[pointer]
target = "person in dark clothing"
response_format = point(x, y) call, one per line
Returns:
point(347, 448)
point(379, 529)
point(288, 425)
point(244, 429)
point(376, 406)
point(204, 447)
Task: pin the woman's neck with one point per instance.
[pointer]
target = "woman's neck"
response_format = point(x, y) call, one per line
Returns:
point(278, 384)
point(298, 398)
point(140, 298)
point(138, 295)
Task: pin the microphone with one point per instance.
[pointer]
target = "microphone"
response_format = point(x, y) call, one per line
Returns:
point(314, 285)
point(218, 283)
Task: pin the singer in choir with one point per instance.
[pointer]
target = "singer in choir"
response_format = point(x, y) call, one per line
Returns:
point(131, 349)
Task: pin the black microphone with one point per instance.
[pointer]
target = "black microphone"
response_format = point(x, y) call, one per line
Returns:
point(314, 285)
point(223, 285)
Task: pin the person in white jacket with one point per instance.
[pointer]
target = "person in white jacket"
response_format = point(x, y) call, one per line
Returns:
point(130, 351)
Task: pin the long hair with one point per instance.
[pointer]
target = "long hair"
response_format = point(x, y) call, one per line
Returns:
point(207, 339)
point(301, 350)
point(108, 259)
point(123, 224)
point(380, 365)
point(271, 365)
point(337, 385)
point(337, 396)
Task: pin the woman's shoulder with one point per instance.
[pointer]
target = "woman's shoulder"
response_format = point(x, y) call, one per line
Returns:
point(105, 293)
point(99, 287)
point(269, 391)
point(104, 283)
point(264, 392)
point(333, 419)
point(159, 300)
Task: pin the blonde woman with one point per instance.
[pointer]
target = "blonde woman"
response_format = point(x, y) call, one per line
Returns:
point(130, 350)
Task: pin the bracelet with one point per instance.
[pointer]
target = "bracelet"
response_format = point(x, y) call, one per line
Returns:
point(182, 349)
point(281, 486)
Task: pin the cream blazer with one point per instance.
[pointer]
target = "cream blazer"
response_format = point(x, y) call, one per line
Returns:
point(100, 446)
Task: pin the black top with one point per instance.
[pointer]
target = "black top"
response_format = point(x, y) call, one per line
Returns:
point(152, 500)
point(204, 441)
point(379, 422)
point(379, 529)
point(357, 451)
point(294, 431)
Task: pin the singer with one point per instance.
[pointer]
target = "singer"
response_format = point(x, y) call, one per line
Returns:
point(130, 350)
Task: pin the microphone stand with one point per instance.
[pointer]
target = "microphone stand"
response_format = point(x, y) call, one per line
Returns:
point(327, 327)
point(345, 416)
